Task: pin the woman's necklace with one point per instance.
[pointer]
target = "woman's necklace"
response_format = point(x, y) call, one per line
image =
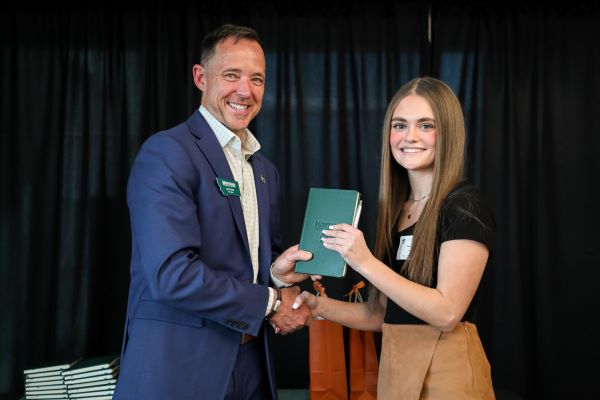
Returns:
point(415, 201)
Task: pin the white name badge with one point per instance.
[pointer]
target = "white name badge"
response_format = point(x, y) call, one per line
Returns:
point(404, 247)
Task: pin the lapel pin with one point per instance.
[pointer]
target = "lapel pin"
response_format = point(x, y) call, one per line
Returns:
point(262, 178)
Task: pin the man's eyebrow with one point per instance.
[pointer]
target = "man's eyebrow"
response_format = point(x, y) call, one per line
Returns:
point(239, 71)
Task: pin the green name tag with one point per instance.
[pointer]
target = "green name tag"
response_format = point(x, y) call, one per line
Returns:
point(228, 188)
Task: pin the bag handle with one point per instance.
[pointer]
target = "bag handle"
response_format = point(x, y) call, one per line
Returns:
point(319, 288)
point(354, 294)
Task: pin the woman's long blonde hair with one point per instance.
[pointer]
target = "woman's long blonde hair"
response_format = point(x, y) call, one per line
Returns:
point(394, 186)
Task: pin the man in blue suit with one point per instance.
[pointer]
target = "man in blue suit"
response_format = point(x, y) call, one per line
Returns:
point(207, 273)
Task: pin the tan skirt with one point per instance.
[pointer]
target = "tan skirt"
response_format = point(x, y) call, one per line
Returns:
point(419, 362)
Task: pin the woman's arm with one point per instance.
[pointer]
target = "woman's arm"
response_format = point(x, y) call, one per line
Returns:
point(363, 316)
point(460, 268)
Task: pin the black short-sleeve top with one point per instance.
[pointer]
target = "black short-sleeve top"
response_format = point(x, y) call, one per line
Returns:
point(464, 215)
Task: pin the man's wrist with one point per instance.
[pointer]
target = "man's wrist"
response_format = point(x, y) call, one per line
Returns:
point(276, 281)
point(276, 303)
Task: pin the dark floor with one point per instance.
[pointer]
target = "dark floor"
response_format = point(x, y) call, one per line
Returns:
point(296, 394)
point(303, 394)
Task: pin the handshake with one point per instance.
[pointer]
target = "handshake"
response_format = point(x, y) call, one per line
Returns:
point(296, 309)
point(290, 316)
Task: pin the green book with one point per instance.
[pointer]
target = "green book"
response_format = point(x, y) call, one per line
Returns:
point(326, 207)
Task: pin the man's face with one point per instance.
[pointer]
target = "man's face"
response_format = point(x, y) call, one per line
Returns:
point(232, 83)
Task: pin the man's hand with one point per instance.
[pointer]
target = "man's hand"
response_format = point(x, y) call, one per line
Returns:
point(283, 267)
point(286, 319)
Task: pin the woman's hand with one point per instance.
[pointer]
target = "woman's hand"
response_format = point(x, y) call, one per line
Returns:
point(350, 243)
point(310, 300)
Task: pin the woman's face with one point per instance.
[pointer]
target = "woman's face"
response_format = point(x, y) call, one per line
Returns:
point(413, 134)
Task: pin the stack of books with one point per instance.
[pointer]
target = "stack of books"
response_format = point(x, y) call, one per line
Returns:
point(93, 377)
point(84, 379)
point(46, 382)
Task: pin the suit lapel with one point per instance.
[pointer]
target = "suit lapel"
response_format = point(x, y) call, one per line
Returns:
point(212, 150)
point(262, 200)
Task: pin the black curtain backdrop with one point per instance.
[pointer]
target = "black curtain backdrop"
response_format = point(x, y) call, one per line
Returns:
point(83, 87)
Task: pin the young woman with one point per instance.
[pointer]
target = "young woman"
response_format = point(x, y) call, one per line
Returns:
point(434, 236)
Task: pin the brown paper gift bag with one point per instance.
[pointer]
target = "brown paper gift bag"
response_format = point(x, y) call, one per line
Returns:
point(327, 360)
point(364, 365)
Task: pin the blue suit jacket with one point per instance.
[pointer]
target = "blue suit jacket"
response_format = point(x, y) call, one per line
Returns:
point(191, 294)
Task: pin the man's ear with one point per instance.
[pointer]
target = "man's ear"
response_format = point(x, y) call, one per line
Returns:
point(198, 71)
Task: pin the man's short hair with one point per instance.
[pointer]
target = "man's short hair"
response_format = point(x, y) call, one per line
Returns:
point(212, 39)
